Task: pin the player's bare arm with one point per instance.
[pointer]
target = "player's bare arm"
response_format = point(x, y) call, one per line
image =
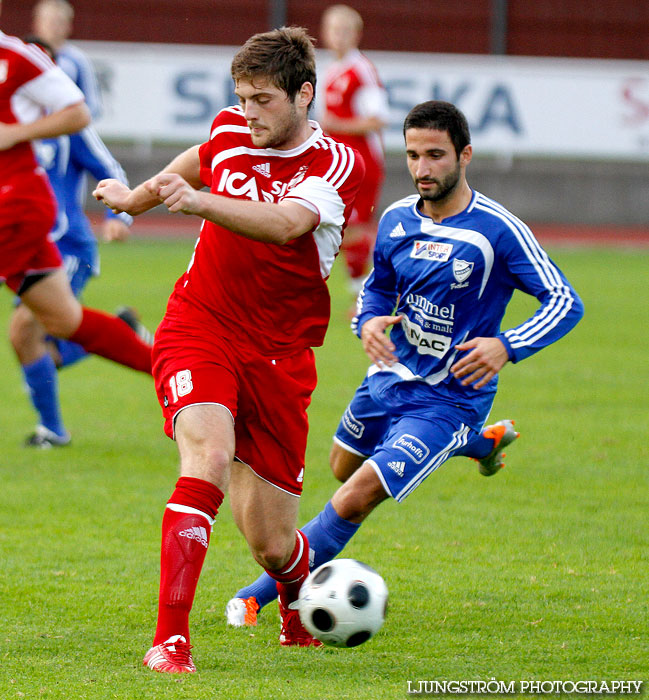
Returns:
point(64, 121)
point(120, 198)
point(262, 221)
point(377, 345)
point(486, 358)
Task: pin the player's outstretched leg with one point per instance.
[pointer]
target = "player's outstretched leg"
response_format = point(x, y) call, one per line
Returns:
point(186, 528)
point(327, 534)
point(55, 306)
point(500, 435)
point(113, 339)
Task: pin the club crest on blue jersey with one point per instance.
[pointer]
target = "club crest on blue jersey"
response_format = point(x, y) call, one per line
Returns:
point(431, 250)
point(462, 269)
point(413, 447)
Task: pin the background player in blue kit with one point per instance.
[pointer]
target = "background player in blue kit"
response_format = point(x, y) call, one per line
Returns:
point(446, 263)
point(67, 160)
point(52, 23)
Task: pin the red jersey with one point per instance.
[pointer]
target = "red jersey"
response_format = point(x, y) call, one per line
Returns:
point(30, 86)
point(273, 297)
point(352, 88)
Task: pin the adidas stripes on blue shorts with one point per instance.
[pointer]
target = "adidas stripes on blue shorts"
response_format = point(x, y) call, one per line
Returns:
point(403, 449)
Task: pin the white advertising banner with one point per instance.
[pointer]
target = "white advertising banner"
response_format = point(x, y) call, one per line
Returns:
point(515, 106)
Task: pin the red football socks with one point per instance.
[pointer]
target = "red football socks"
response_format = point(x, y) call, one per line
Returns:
point(110, 337)
point(292, 575)
point(186, 527)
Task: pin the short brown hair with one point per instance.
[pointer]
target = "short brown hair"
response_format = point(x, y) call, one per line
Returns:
point(284, 56)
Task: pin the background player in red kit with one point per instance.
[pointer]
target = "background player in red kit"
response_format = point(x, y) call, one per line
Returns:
point(37, 100)
point(233, 363)
point(355, 111)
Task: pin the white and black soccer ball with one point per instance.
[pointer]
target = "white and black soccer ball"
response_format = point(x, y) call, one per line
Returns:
point(343, 602)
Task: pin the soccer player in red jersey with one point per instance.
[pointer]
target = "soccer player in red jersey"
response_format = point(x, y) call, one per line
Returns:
point(37, 100)
point(233, 363)
point(355, 112)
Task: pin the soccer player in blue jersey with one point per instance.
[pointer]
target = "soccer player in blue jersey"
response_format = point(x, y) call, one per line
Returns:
point(446, 263)
point(52, 22)
point(67, 161)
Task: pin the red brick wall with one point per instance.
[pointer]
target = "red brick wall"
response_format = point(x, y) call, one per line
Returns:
point(583, 28)
point(579, 28)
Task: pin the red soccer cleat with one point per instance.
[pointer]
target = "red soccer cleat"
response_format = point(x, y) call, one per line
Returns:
point(293, 633)
point(172, 656)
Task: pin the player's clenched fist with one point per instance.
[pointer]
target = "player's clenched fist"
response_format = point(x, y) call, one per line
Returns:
point(175, 193)
point(114, 194)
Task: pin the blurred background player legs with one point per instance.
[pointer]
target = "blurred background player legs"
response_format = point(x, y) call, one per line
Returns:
point(355, 112)
point(30, 263)
point(67, 160)
point(41, 356)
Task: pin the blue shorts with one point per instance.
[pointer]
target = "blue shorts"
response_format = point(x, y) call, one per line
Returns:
point(404, 449)
point(79, 271)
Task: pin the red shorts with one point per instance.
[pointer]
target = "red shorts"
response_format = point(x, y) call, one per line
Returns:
point(27, 215)
point(268, 399)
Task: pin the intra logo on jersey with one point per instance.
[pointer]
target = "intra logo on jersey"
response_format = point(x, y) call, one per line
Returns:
point(426, 343)
point(430, 250)
point(351, 425)
point(413, 447)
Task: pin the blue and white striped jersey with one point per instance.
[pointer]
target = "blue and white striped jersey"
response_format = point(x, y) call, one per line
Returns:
point(77, 66)
point(67, 160)
point(452, 282)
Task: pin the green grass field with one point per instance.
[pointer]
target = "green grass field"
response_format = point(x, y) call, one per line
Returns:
point(538, 573)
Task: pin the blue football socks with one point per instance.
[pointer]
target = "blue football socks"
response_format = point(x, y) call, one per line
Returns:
point(70, 352)
point(476, 447)
point(42, 382)
point(327, 533)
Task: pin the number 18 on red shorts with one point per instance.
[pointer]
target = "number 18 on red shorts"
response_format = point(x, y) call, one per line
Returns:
point(268, 399)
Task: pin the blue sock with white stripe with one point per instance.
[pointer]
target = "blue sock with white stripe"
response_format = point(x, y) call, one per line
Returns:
point(476, 447)
point(327, 533)
point(42, 382)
